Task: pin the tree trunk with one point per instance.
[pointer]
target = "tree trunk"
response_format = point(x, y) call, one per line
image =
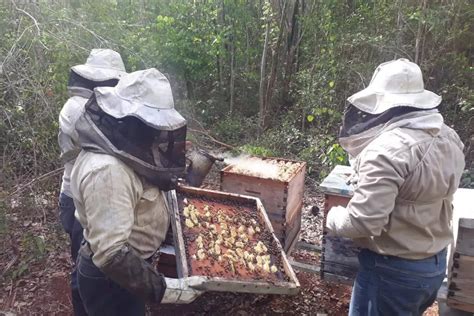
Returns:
point(262, 92)
point(275, 58)
point(142, 11)
point(232, 73)
point(399, 27)
point(419, 34)
point(220, 59)
point(295, 35)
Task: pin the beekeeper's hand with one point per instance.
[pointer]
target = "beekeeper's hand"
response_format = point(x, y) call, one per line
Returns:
point(184, 290)
point(336, 219)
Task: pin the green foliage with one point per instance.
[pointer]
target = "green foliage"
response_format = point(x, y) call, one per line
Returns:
point(34, 250)
point(335, 155)
point(235, 130)
point(190, 39)
point(467, 180)
point(20, 270)
point(198, 43)
point(256, 151)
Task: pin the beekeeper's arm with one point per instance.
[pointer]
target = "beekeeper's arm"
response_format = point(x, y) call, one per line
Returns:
point(110, 196)
point(380, 177)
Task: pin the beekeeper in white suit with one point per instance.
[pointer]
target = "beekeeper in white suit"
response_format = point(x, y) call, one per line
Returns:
point(104, 67)
point(407, 165)
point(133, 151)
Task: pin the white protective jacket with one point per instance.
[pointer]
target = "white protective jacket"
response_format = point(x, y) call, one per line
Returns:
point(117, 207)
point(407, 171)
point(67, 138)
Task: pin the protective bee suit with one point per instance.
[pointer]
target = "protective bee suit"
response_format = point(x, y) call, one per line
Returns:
point(103, 67)
point(407, 165)
point(133, 143)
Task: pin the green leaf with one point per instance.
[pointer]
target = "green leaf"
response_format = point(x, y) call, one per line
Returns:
point(331, 84)
point(310, 118)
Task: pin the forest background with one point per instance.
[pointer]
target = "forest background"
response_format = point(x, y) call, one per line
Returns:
point(262, 77)
point(267, 77)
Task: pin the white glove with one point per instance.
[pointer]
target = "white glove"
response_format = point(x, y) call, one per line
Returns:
point(336, 219)
point(182, 291)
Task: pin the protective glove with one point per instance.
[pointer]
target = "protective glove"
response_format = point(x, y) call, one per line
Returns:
point(336, 219)
point(182, 291)
point(135, 274)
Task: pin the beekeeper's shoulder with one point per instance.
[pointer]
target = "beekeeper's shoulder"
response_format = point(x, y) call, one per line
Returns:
point(93, 162)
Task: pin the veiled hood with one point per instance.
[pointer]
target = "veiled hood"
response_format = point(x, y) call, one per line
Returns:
point(73, 91)
point(93, 139)
point(431, 121)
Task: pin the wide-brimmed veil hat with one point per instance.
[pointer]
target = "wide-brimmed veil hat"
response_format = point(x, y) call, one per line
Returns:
point(394, 84)
point(144, 94)
point(101, 65)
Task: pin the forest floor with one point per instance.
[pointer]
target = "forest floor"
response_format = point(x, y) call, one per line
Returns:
point(35, 265)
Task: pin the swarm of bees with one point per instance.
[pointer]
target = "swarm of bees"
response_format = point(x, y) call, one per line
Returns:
point(230, 241)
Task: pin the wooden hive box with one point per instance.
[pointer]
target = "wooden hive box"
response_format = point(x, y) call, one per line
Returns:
point(339, 260)
point(282, 198)
point(461, 276)
point(219, 279)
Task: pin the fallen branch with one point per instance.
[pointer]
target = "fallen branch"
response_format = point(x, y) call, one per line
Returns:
point(9, 265)
point(34, 21)
point(29, 15)
point(42, 177)
point(211, 138)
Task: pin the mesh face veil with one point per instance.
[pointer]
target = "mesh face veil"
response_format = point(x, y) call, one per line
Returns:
point(75, 80)
point(168, 148)
point(356, 121)
point(157, 155)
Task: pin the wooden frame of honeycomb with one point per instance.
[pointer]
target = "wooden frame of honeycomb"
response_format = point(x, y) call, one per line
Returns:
point(267, 168)
point(228, 238)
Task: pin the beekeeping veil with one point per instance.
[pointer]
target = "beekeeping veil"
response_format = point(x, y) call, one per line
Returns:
point(104, 67)
point(395, 91)
point(136, 122)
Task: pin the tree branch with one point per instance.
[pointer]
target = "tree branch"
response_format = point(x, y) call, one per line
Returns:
point(42, 177)
point(211, 138)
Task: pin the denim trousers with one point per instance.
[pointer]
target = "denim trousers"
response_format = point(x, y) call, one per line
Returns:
point(387, 285)
point(74, 229)
point(101, 296)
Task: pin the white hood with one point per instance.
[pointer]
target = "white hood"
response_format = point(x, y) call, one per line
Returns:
point(430, 121)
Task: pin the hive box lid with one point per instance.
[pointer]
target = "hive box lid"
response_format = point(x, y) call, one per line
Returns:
point(336, 182)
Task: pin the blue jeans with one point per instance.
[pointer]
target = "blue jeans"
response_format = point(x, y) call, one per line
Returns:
point(74, 229)
point(387, 285)
point(102, 296)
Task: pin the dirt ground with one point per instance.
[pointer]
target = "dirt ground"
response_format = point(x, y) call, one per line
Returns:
point(35, 265)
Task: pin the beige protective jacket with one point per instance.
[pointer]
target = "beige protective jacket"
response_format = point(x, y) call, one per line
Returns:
point(68, 138)
point(115, 206)
point(407, 173)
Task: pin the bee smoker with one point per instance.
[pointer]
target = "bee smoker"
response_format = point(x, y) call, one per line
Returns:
point(200, 163)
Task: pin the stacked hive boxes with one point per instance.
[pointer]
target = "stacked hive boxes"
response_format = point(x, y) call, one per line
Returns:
point(339, 255)
point(461, 277)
